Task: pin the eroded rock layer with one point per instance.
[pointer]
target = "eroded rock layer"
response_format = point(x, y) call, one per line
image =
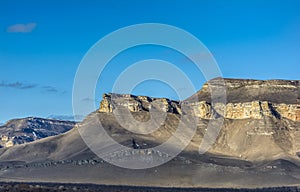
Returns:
point(256, 109)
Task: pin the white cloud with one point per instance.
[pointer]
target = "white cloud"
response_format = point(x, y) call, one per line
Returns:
point(21, 28)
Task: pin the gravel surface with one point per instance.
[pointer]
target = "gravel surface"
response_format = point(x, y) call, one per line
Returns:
point(41, 187)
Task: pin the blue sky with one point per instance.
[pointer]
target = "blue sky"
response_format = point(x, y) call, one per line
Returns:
point(43, 42)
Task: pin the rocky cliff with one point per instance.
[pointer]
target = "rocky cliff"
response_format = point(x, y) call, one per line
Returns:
point(255, 110)
point(137, 103)
point(246, 99)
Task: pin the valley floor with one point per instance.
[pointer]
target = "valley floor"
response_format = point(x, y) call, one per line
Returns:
point(43, 187)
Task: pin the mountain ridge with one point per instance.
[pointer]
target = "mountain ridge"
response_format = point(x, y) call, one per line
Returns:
point(248, 152)
point(24, 130)
point(287, 104)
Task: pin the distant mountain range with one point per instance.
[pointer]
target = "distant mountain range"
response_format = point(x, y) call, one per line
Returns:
point(258, 144)
point(20, 131)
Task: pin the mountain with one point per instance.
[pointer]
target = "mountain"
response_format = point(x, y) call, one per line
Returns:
point(66, 117)
point(257, 144)
point(19, 131)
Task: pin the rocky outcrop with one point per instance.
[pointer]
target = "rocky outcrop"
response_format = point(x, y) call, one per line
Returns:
point(203, 109)
point(291, 111)
point(137, 103)
point(247, 98)
point(254, 110)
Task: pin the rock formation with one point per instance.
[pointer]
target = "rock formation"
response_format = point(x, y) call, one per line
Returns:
point(284, 104)
point(137, 103)
point(253, 108)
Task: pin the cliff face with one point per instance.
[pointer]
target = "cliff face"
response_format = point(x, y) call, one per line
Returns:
point(138, 103)
point(262, 118)
point(254, 110)
point(253, 98)
point(245, 99)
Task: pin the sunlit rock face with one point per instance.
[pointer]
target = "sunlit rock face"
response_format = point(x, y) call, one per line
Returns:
point(254, 110)
point(245, 99)
point(137, 103)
